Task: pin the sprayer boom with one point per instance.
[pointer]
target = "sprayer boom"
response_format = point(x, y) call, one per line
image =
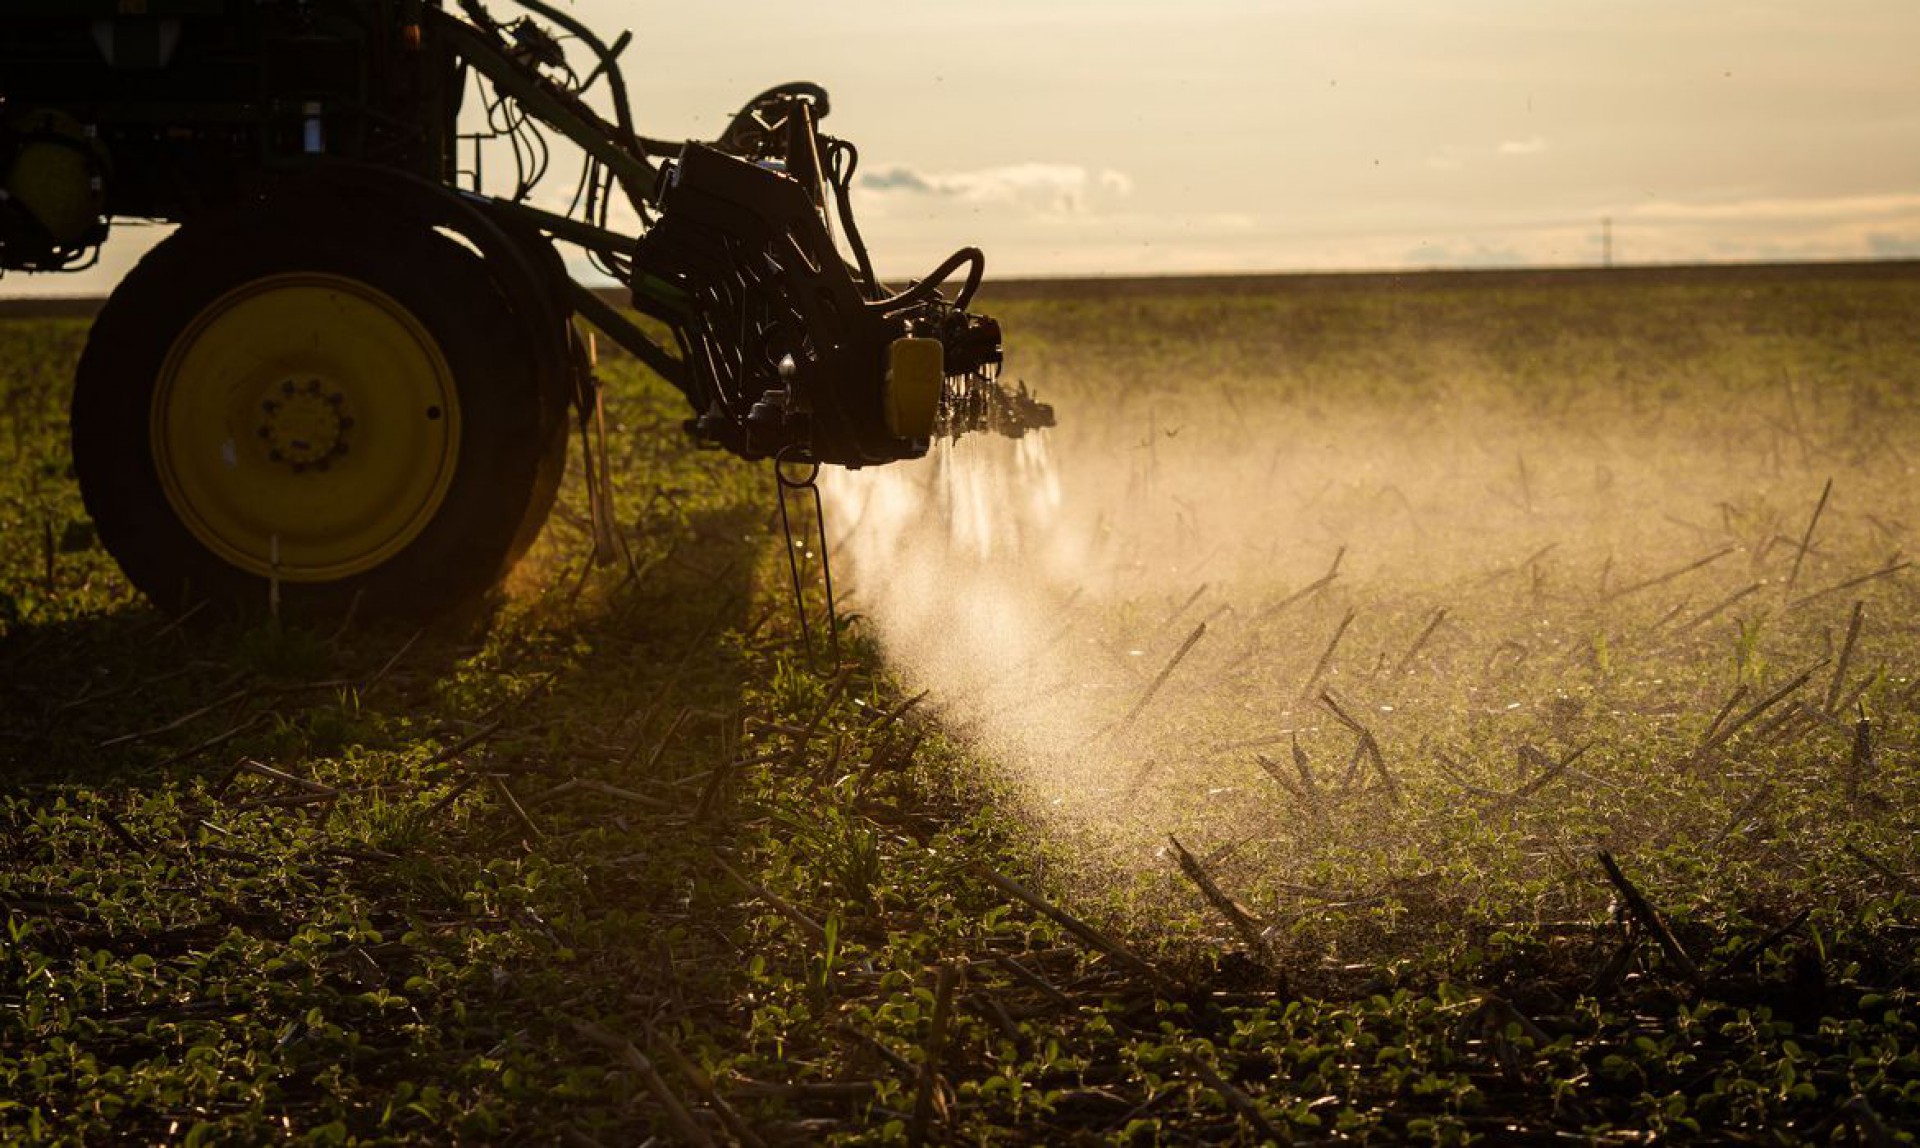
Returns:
point(344, 380)
point(787, 347)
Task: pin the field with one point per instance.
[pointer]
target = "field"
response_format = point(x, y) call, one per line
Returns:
point(1444, 709)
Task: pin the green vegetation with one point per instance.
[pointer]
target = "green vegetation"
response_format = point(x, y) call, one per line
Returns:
point(619, 860)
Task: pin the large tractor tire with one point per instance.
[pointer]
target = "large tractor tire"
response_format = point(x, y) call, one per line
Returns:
point(323, 409)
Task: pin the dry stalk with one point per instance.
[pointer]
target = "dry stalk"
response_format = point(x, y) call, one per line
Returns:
point(1304, 765)
point(1894, 566)
point(1313, 587)
point(1806, 540)
point(1305, 791)
point(1846, 658)
point(1673, 611)
point(1650, 919)
point(1740, 815)
point(1086, 933)
point(1406, 660)
point(1608, 976)
point(453, 795)
point(1527, 563)
point(928, 1084)
point(682, 1121)
point(1791, 721)
point(703, 1084)
point(1881, 867)
point(308, 800)
point(1860, 763)
point(248, 765)
point(1720, 734)
point(1352, 772)
point(1733, 699)
point(1166, 672)
point(812, 727)
point(393, 660)
point(615, 791)
point(556, 793)
point(121, 832)
point(666, 739)
point(1242, 1104)
point(463, 745)
point(717, 779)
point(1236, 915)
point(1663, 579)
point(1554, 771)
point(236, 696)
point(1455, 774)
point(778, 904)
point(181, 621)
point(885, 720)
point(1499, 1013)
point(512, 803)
point(887, 758)
point(1170, 619)
point(878, 1047)
point(1369, 746)
point(1002, 1019)
point(213, 742)
point(1720, 608)
point(1755, 948)
point(87, 698)
point(1326, 656)
point(1035, 981)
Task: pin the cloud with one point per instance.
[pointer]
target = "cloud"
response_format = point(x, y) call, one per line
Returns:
point(1846, 209)
point(1047, 188)
point(1453, 157)
point(1532, 145)
point(1468, 253)
point(1885, 245)
point(899, 179)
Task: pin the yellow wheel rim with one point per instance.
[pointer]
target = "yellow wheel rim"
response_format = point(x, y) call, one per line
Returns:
point(306, 427)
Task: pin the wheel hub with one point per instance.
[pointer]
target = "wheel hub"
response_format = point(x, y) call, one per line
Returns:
point(304, 424)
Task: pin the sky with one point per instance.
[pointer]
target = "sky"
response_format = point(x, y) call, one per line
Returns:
point(1126, 137)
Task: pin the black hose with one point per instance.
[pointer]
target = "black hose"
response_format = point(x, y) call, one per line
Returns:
point(616, 80)
point(843, 201)
point(920, 292)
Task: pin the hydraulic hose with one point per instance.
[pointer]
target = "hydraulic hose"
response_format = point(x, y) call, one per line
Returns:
point(616, 80)
point(926, 288)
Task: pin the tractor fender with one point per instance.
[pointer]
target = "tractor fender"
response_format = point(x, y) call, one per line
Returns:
point(525, 267)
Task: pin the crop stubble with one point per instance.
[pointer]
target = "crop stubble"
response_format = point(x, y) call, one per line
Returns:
point(1329, 644)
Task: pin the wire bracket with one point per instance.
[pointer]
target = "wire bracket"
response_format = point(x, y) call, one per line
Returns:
point(808, 482)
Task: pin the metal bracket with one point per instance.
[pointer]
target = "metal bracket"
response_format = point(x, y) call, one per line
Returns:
point(589, 395)
point(810, 483)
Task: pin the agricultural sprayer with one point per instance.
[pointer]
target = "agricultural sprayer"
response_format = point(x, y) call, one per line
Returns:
point(349, 377)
